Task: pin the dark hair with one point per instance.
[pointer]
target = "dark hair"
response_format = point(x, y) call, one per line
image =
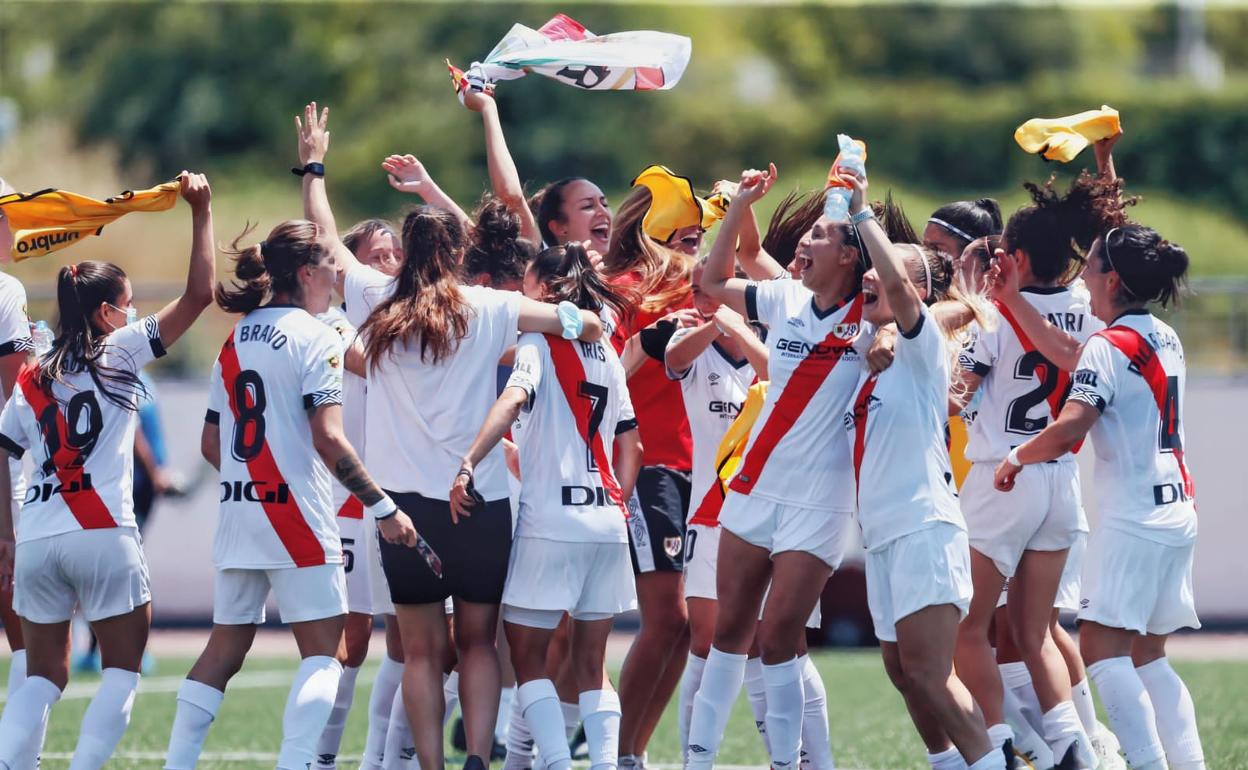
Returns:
point(426, 303)
point(497, 250)
point(1056, 230)
point(547, 204)
point(984, 249)
point(1151, 268)
point(971, 219)
point(568, 275)
point(792, 219)
point(80, 290)
point(271, 266)
point(363, 231)
point(937, 268)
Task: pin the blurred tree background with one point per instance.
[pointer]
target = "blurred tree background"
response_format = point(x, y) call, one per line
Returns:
point(99, 97)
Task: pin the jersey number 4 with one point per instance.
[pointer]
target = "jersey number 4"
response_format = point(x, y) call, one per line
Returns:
point(249, 427)
point(83, 423)
point(597, 395)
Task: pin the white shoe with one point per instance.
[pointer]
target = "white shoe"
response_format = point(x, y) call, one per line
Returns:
point(1105, 746)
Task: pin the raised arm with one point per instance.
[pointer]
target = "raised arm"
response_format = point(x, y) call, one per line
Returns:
point(1104, 151)
point(732, 324)
point(498, 421)
point(754, 260)
point(1053, 343)
point(686, 345)
point(201, 273)
point(313, 137)
point(407, 174)
point(717, 277)
point(504, 177)
point(544, 318)
point(887, 258)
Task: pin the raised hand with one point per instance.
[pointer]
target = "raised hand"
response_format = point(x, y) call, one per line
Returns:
point(476, 101)
point(1003, 281)
point(859, 185)
point(755, 184)
point(195, 189)
point(407, 174)
point(313, 134)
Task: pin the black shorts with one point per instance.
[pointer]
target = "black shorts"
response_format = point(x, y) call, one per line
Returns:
point(474, 553)
point(657, 532)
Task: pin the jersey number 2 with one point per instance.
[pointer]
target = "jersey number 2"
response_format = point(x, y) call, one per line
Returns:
point(249, 425)
point(83, 423)
point(1032, 363)
point(597, 395)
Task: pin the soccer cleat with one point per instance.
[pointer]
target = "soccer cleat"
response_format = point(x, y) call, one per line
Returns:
point(473, 762)
point(1007, 749)
point(327, 762)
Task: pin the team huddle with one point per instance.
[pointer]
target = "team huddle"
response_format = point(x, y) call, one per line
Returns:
point(549, 413)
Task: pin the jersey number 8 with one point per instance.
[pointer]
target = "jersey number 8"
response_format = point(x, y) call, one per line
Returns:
point(249, 401)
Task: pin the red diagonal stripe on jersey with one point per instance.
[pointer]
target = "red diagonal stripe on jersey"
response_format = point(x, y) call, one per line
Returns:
point(351, 508)
point(569, 371)
point(287, 520)
point(862, 411)
point(82, 500)
point(1139, 352)
point(805, 381)
point(1057, 397)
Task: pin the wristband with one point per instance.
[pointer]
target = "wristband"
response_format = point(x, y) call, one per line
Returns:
point(1012, 458)
point(861, 216)
point(383, 508)
point(315, 169)
point(570, 319)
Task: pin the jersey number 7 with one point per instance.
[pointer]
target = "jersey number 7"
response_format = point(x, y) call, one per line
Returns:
point(597, 395)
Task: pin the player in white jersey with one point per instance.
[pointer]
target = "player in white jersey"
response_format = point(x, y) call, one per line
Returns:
point(579, 457)
point(918, 567)
point(75, 409)
point(432, 348)
point(274, 430)
point(1128, 394)
point(787, 516)
point(15, 349)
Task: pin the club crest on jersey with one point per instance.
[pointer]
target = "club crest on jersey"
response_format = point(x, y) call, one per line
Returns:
point(672, 546)
point(335, 362)
point(845, 331)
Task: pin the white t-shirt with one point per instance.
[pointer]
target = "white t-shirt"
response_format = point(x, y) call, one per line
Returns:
point(278, 366)
point(713, 388)
point(14, 338)
point(84, 464)
point(1139, 487)
point(354, 390)
point(813, 368)
point(578, 403)
point(421, 417)
point(895, 428)
point(1016, 400)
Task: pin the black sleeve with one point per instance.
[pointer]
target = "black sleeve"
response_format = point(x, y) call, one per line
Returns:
point(654, 339)
point(751, 303)
point(624, 426)
point(212, 417)
point(11, 446)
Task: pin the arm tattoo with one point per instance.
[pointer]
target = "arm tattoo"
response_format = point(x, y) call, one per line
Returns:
point(352, 474)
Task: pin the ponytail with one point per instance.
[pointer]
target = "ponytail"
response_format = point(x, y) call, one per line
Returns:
point(271, 266)
point(566, 274)
point(1150, 268)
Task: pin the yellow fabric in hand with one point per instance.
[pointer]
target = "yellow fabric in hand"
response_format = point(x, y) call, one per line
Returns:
point(957, 450)
point(1061, 139)
point(50, 220)
point(674, 204)
point(732, 446)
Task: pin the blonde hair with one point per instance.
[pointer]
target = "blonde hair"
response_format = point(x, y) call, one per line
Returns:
point(665, 273)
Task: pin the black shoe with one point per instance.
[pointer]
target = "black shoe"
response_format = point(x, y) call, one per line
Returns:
point(458, 739)
point(1068, 760)
point(474, 762)
point(579, 746)
point(1007, 748)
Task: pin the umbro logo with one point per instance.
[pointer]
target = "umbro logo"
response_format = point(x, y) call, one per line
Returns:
point(799, 323)
point(407, 752)
point(713, 378)
point(696, 749)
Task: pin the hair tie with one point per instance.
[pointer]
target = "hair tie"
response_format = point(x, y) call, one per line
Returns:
point(961, 234)
point(73, 271)
point(927, 270)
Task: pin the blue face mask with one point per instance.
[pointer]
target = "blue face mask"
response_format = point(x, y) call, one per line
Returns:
point(132, 313)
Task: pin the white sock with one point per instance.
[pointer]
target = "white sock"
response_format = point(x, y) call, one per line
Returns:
point(785, 701)
point(197, 707)
point(1129, 709)
point(689, 682)
point(539, 702)
point(1017, 679)
point(25, 713)
point(1062, 729)
point(400, 745)
point(1176, 715)
point(308, 706)
point(571, 719)
point(712, 706)
point(450, 695)
point(380, 701)
point(600, 712)
point(756, 693)
point(1000, 733)
point(949, 759)
point(17, 671)
point(816, 742)
point(106, 719)
point(993, 760)
point(331, 736)
point(519, 739)
point(1026, 740)
point(502, 722)
point(1081, 694)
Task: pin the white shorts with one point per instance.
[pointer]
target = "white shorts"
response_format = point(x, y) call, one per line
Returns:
point(780, 527)
point(103, 570)
point(923, 569)
point(589, 581)
point(367, 592)
point(302, 594)
point(1042, 513)
point(1068, 590)
point(701, 556)
point(1138, 584)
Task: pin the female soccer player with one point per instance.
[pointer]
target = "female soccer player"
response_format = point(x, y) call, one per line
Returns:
point(77, 541)
point(1128, 394)
point(787, 516)
point(569, 403)
point(432, 347)
point(918, 569)
point(952, 227)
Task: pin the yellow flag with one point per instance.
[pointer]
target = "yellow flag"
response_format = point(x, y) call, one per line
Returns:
point(1062, 139)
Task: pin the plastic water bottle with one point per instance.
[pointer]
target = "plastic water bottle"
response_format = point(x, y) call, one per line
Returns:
point(42, 336)
point(852, 157)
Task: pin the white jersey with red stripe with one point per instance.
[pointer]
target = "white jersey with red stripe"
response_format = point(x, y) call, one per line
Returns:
point(1139, 455)
point(82, 443)
point(713, 389)
point(577, 403)
point(895, 428)
point(1021, 390)
point(354, 390)
point(279, 364)
point(14, 338)
point(794, 455)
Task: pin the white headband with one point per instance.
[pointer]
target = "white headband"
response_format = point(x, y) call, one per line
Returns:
point(951, 228)
point(927, 271)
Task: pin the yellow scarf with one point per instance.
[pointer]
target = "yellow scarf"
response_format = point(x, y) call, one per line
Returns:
point(1062, 139)
point(49, 220)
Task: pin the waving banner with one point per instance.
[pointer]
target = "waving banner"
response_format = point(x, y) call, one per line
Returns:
point(564, 50)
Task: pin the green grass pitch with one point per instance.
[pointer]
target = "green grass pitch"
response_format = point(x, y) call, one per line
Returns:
point(868, 721)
